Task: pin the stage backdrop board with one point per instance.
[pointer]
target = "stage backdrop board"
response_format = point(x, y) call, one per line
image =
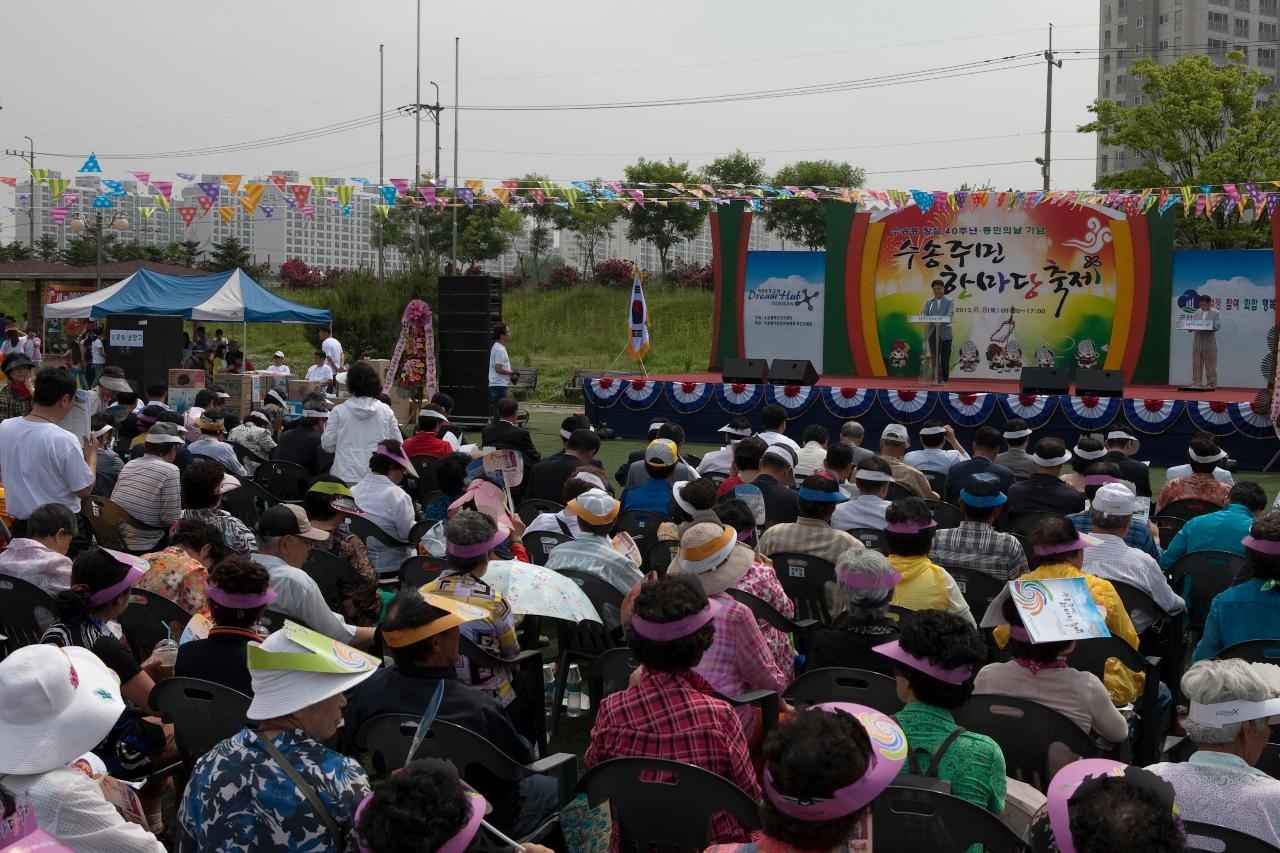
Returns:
point(783, 308)
point(1242, 284)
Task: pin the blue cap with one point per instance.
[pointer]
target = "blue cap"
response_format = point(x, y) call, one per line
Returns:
point(982, 490)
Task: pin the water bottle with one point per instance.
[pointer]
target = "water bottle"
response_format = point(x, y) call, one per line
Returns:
point(574, 691)
point(548, 688)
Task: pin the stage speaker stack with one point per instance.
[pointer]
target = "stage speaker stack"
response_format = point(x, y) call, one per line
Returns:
point(793, 371)
point(1044, 380)
point(751, 371)
point(144, 346)
point(467, 309)
point(1094, 382)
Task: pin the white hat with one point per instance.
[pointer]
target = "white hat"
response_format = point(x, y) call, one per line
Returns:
point(277, 354)
point(594, 506)
point(433, 414)
point(59, 703)
point(115, 383)
point(588, 477)
point(1205, 460)
point(1115, 499)
point(676, 494)
point(1050, 463)
point(781, 453)
point(1120, 435)
point(1016, 433)
point(296, 667)
point(896, 433)
point(733, 430)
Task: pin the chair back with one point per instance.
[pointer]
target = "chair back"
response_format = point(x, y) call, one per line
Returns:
point(945, 514)
point(203, 713)
point(1189, 508)
point(1211, 838)
point(1091, 655)
point(245, 455)
point(898, 492)
point(332, 574)
point(1137, 602)
point(540, 543)
point(417, 571)
point(768, 614)
point(842, 684)
point(872, 538)
point(804, 579)
point(1168, 526)
point(937, 482)
point(977, 588)
point(1211, 572)
point(717, 477)
point(25, 611)
point(642, 525)
point(287, 481)
point(659, 556)
point(534, 507)
point(614, 669)
point(1027, 733)
point(1254, 651)
point(660, 805)
point(389, 736)
point(150, 618)
point(601, 592)
point(366, 530)
point(273, 620)
point(1026, 520)
point(105, 518)
point(425, 466)
point(908, 820)
point(1269, 762)
point(248, 501)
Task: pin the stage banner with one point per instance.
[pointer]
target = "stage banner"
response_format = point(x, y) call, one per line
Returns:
point(1045, 286)
point(1242, 284)
point(783, 311)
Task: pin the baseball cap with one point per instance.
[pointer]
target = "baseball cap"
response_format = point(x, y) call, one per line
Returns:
point(595, 506)
point(288, 520)
point(896, 433)
point(277, 354)
point(661, 453)
point(1115, 499)
point(163, 433)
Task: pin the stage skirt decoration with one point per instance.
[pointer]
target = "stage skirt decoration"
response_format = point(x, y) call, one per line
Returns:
point(1091, 413)
point(1152, 416)
point(1036, 409)
point(640, 393)
point(908, 407)
point(1212, 417)
point(794, 398)
point(604, 390)
point(969, 409)
point(1250, 422)
point(848, 402)
point(738, 398)
point(689, 397)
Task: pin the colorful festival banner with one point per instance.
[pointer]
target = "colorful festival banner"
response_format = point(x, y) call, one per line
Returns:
point(188, 215)
point(1242, 284)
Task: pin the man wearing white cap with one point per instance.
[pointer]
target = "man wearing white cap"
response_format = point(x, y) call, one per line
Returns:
point(254, 790)
point(1200, 484)
point(893, 446)
point(277, 365)
point(1017, 435)
point(866, 511)
point(149, 488)
point(781, 505)
point(593, 552)
point(1044, 490)
point(934, 457)
point(1112, 509)
point(721, 461)
point(1121, 444)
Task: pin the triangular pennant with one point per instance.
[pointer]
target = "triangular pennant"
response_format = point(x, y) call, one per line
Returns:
point(115, 188)
point(344, 194)
point(69, 199)
point(205, 204)
point(57, 185)
point(388, 193)
point(268, 211)
point(165, 188)
point(39, 175)
point(162, 201)
point(401, 184)
point(146, 212)
point(428, 194)
point(59, 214)
point(301, 192)
point(476, 185)
point(103, 201)
point(188, 215)
point(233, 182)
point(252, 195)
point(308, 212)
point(226, 212)
point(186, 176)
point(468, 197)
point(384, 210)
point(211, 191)
point(318, 183)
point(9, 182)
point(144, 178)
point(91, 164)
point(280, 182)
point(538, 194)
point(502, 194)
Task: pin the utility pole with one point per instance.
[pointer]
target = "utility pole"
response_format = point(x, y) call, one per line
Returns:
point(417, 100)
point(381, 152)
point(30, 157)
point(436, 109)
point(456, 47)
point(1050, 62)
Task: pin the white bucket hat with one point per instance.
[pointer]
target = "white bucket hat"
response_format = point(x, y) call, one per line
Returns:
point(296, 667)
point(58, 704)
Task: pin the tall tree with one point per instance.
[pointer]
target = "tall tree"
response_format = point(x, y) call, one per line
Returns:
point(736, 168)
point(589, 223)
point(486, 233)
point(185, 253)
point(661, 223)
point(543, 219)
point(228, 254)
point(47, 247)
point(1198, 123)
point(803, 220)
point(15, 251)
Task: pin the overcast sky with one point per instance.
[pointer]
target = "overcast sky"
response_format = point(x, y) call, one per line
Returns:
point(140, 77)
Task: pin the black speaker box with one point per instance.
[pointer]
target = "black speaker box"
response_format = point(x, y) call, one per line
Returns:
point(1044, 380)
point(455, 338)
point(1094, 382)
point(749, 370)
point(793, 371)
point(145, 346)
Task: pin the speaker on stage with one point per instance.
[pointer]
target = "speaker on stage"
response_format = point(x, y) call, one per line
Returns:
point(748, 370)
point(1092, 381)
point(1044, 380)
point(793, 371)
point(467, 309)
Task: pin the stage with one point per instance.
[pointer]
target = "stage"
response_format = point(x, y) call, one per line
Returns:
point(1161, 416)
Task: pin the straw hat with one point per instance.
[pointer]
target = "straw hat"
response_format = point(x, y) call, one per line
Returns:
point(296, 667)
point(712, 553)
point(58, 704)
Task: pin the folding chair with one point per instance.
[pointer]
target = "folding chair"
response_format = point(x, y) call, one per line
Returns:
point(842, 684)
point(203, 713)
point(909, 820)
point(150, 618)
point(804, 579)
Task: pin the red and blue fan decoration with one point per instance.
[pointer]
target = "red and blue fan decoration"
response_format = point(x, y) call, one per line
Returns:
point(738, 398)
point(794, 398)
point(640, 393)
point(603, 391)
point(1249, 421)
point(969, 409)
point(848, 402)
point(1090, 412)
point(1035, 409)
point(689, 397)
point(1212, 417)
point(1152, 416)
point(908, 406)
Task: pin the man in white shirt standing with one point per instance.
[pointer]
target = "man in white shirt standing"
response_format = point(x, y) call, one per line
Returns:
point(1204, 346)
point(934, 457)
point(320, 371)
point(277, 364)
point(500, 373)
point(333, 353)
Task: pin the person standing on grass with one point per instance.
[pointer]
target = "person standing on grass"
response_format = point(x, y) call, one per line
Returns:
point(501, 376)
point(333, 354)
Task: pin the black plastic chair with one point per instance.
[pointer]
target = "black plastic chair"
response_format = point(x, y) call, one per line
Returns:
point(614, 669)
point(898, 492)
point(870, 537)
point(417, 571)
point(642, 525)
point(1168, 526)
point(366, 530)
point(583, 643)
point(1026, 731)
point(286, 481)
point(1026, 520)
point(765, 612)
point(331, 573)
point(203, 713)
point(945, 514)
point(273, 620)
point(1137, 602)
point(660, 805)
point(804, 579)
point(977, 588)
point(540, 543)
point(909, 820)
point(425, 466)
point(1200, 838)
point(106, 518)
point(248, 502)
point(659, 556)
point(534, 507)
point(526, 669)
point(246, 456)
point(1189, 508)
point(1092, 655)
point(937, 482)
point(841, 684)
point(146, 619)
point(26, 611)
point(1253, 651)
point(1211, 572)
point(1269, 761)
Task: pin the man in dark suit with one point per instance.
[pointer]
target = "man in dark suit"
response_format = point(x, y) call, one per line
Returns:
point(781, 503)
point(1044, 491)
point(940, 306)
point(1120, 446)
point(986, 444)
point(546, 480)
point(505, 435)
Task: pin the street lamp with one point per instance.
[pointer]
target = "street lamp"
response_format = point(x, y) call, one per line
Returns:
point(78, 225)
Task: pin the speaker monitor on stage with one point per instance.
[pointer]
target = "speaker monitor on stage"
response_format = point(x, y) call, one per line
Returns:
point(1093, 382)
point(1044, 380)
point(748, 370)
point(793, 371)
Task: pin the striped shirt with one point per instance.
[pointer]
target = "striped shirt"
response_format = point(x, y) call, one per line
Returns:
point(1114, 560)
point(148, 488)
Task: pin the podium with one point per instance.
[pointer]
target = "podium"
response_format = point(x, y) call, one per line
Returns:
point(933, 322)
point(1190, 325)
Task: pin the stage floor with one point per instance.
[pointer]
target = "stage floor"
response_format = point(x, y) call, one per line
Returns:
point(962, 385)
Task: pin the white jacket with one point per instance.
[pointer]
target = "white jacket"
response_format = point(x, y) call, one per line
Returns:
point(354, 430)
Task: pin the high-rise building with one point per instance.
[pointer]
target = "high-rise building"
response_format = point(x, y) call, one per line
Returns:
point(1167, 30)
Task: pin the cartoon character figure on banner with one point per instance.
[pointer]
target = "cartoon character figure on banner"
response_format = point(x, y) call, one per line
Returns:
point(898, 353)
point(1044, 357)
point(1013, 356)
point(1086, 354)
point(995, 357)
point(969, 356)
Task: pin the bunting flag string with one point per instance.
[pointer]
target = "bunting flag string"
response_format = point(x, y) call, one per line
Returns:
point(226, 212)
point(232, 182)
point(252, 195)
point(91, 164)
